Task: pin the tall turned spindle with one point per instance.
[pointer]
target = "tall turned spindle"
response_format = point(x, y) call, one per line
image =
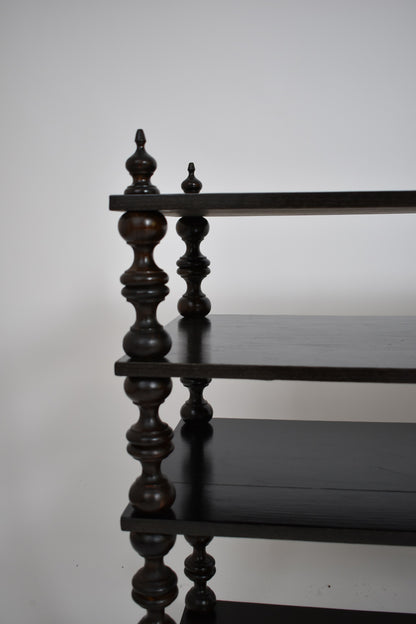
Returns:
point(193, 266)
point(199, 568)
point(150, 441)
point(144, 282)
point(155, 585)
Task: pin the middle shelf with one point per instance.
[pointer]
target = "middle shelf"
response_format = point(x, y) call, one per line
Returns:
point(351, 482)
point(377, 349)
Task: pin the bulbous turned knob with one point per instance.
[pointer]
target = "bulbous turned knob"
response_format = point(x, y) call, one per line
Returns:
point(191, 184)
point(141, 166)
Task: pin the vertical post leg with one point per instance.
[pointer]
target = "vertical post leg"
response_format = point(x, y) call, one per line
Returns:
point(196, 409)
point(155, 584)
point(200, 568)
point(193, 266)
point(150, 440)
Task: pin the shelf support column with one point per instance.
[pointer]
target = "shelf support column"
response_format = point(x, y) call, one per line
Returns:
point(193, 266)
point(144, 282)
point(155, 586)
point(150, 439)
point(196, 409)
point(199, 568)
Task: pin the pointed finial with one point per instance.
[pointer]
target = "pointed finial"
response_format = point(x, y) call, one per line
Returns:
point(191, 184)
point(141, 166)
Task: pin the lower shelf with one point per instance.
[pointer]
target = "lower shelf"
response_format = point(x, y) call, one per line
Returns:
point(247, 613)
point(351, 482)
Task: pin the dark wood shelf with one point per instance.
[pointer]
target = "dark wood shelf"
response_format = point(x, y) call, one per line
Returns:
point(247, 613)
point(351, 482)
point(375, 349)
point(269, 204)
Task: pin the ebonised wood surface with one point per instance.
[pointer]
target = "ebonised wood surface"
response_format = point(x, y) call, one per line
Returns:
point(316, 348)
point(268, 204)
point(352, 482)
point(247, 613)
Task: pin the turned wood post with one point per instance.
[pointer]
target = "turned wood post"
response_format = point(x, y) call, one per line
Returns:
point(150, 439)
point(155, 585)
point(199, 568)
point(196, 408)
point(193, 266)
point(144, 282)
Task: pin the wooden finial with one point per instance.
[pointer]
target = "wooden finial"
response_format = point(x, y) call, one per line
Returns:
point(141, 166)
point(191, 184)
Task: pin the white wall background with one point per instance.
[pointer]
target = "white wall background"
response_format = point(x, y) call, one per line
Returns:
point(263, 96)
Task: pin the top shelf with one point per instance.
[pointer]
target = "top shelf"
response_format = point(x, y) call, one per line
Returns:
point(269, 204)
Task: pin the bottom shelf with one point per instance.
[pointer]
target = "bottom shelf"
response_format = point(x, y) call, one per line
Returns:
point(247, 613)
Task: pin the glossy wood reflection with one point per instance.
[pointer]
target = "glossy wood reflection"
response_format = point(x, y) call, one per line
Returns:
point(249, 613)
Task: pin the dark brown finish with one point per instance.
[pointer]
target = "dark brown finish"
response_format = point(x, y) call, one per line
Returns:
point(150, 441)
point(191, 184)
point(199, 568)
point(155, 585)
point(325, 481)
point(196, 409)
point(144, 285)
point(379, 349)
point(141, 166)
point(193, 266)
point(351, 482)
point(269, 204)
point(250, 613)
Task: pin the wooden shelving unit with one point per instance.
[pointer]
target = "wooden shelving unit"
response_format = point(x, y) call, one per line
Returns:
point(350, 482)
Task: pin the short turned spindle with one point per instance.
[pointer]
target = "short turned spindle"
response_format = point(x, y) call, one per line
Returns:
point(196, 409)
point(199, 568)
point(150, 441)
point(155, 585)
point(193, 266)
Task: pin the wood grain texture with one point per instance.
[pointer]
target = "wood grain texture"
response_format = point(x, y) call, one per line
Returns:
point(316, 348)
point(352, 482)
point(269, 204)
point(249, 613)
